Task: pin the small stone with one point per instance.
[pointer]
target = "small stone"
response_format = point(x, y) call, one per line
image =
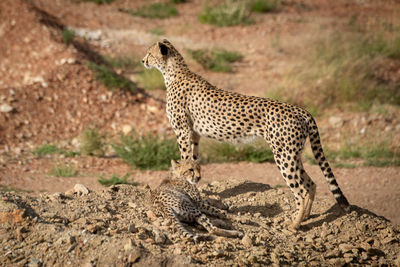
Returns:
point(80, 189)
point(92, 228)
point(126, 129)
point(345, 247)
point(132, 228)
point(129, 245)
point(246, 241)
point(177, 251)
point(134, 256)
point(336, 121)
point(5, 108)
point(151, 215)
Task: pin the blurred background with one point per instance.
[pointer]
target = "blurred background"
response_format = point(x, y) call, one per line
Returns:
point(76, 105)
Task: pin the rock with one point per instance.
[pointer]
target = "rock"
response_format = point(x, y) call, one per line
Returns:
point(151, 215)
point(132, 228)
point(129, 245)
point(134, 256)
point(247, 242)
point(345, 247)
point(126, 129)
point(336, 121)
point(80, 189)
point(15, 216)
point(5, 108)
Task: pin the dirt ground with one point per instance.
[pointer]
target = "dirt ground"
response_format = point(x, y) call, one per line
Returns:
point(49, 95)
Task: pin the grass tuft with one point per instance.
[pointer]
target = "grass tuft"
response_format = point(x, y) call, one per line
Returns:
point(147, 152)
point(67, 36)
point(115, 179)
point(157, 31)
point(46, 149)
point(213, 151)
point(49, 149)
point(4, 188)
point(92, 142)
point(155, 11)
point(264, 6)
point(218, 60)
point(229, 13)
point(111, 79)
point(63, 171)
point(99, 2)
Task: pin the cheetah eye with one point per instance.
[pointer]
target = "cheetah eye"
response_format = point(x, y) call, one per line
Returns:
point(191, 169)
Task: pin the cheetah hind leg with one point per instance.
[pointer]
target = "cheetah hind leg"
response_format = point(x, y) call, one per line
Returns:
point(206, 223)
point(207, 208)
point(179, 226)
point(310, 187)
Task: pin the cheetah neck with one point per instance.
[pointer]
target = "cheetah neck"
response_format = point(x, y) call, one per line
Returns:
point(175, 70)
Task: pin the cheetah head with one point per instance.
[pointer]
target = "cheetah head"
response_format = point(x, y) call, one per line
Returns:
point(186, 169)
point(160, 54)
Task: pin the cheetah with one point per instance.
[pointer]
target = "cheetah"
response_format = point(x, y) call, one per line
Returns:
point(197, 108)
point(178, 199)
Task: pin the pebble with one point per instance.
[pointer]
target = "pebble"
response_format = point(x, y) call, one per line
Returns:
point(80, 189)
point(5, 108)
point(246, 241)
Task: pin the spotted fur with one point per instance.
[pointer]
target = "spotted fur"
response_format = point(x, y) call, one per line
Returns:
point(197, 108)
point(180, 201)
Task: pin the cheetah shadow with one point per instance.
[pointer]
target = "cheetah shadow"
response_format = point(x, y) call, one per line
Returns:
point(334, 213)
point(268, 210)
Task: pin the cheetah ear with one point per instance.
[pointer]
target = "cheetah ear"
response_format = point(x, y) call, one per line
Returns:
point(174, 163)
point(163, 49)
point(165, 41)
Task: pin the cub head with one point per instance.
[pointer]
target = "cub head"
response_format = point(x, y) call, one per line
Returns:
point(159, 54)
point(186, 169)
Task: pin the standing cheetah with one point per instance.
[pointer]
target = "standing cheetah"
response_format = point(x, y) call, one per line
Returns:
point(179, 199)
point(196, 108)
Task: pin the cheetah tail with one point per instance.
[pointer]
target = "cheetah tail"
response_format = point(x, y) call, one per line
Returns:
point(324, 165)
point(179, 226)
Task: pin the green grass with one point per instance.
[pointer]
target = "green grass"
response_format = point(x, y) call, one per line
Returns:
point(115, 179)
point(155, 11)
point(213, 151)
point(67, 35)
point(5, 188)
point(151, 79)
point(63, 171)
point(150, 151)
point(99, 2)
point(229, 13)
point(112, 80)
point(157, 31)
point(92, 142)
point(49, 149)
point(264, 6)
point(46, 149)
point(378, 155)
point(348, 68)
point(219, 60)
point(122, 62)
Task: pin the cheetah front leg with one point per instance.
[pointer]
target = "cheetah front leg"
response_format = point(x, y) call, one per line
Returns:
point(184, 139)
point(195, 145)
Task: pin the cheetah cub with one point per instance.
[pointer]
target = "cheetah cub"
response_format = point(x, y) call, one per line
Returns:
point(178, 199)
point(197, 108)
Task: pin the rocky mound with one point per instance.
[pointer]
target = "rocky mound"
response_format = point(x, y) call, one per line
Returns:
point(47, 91)
point(115, 227)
